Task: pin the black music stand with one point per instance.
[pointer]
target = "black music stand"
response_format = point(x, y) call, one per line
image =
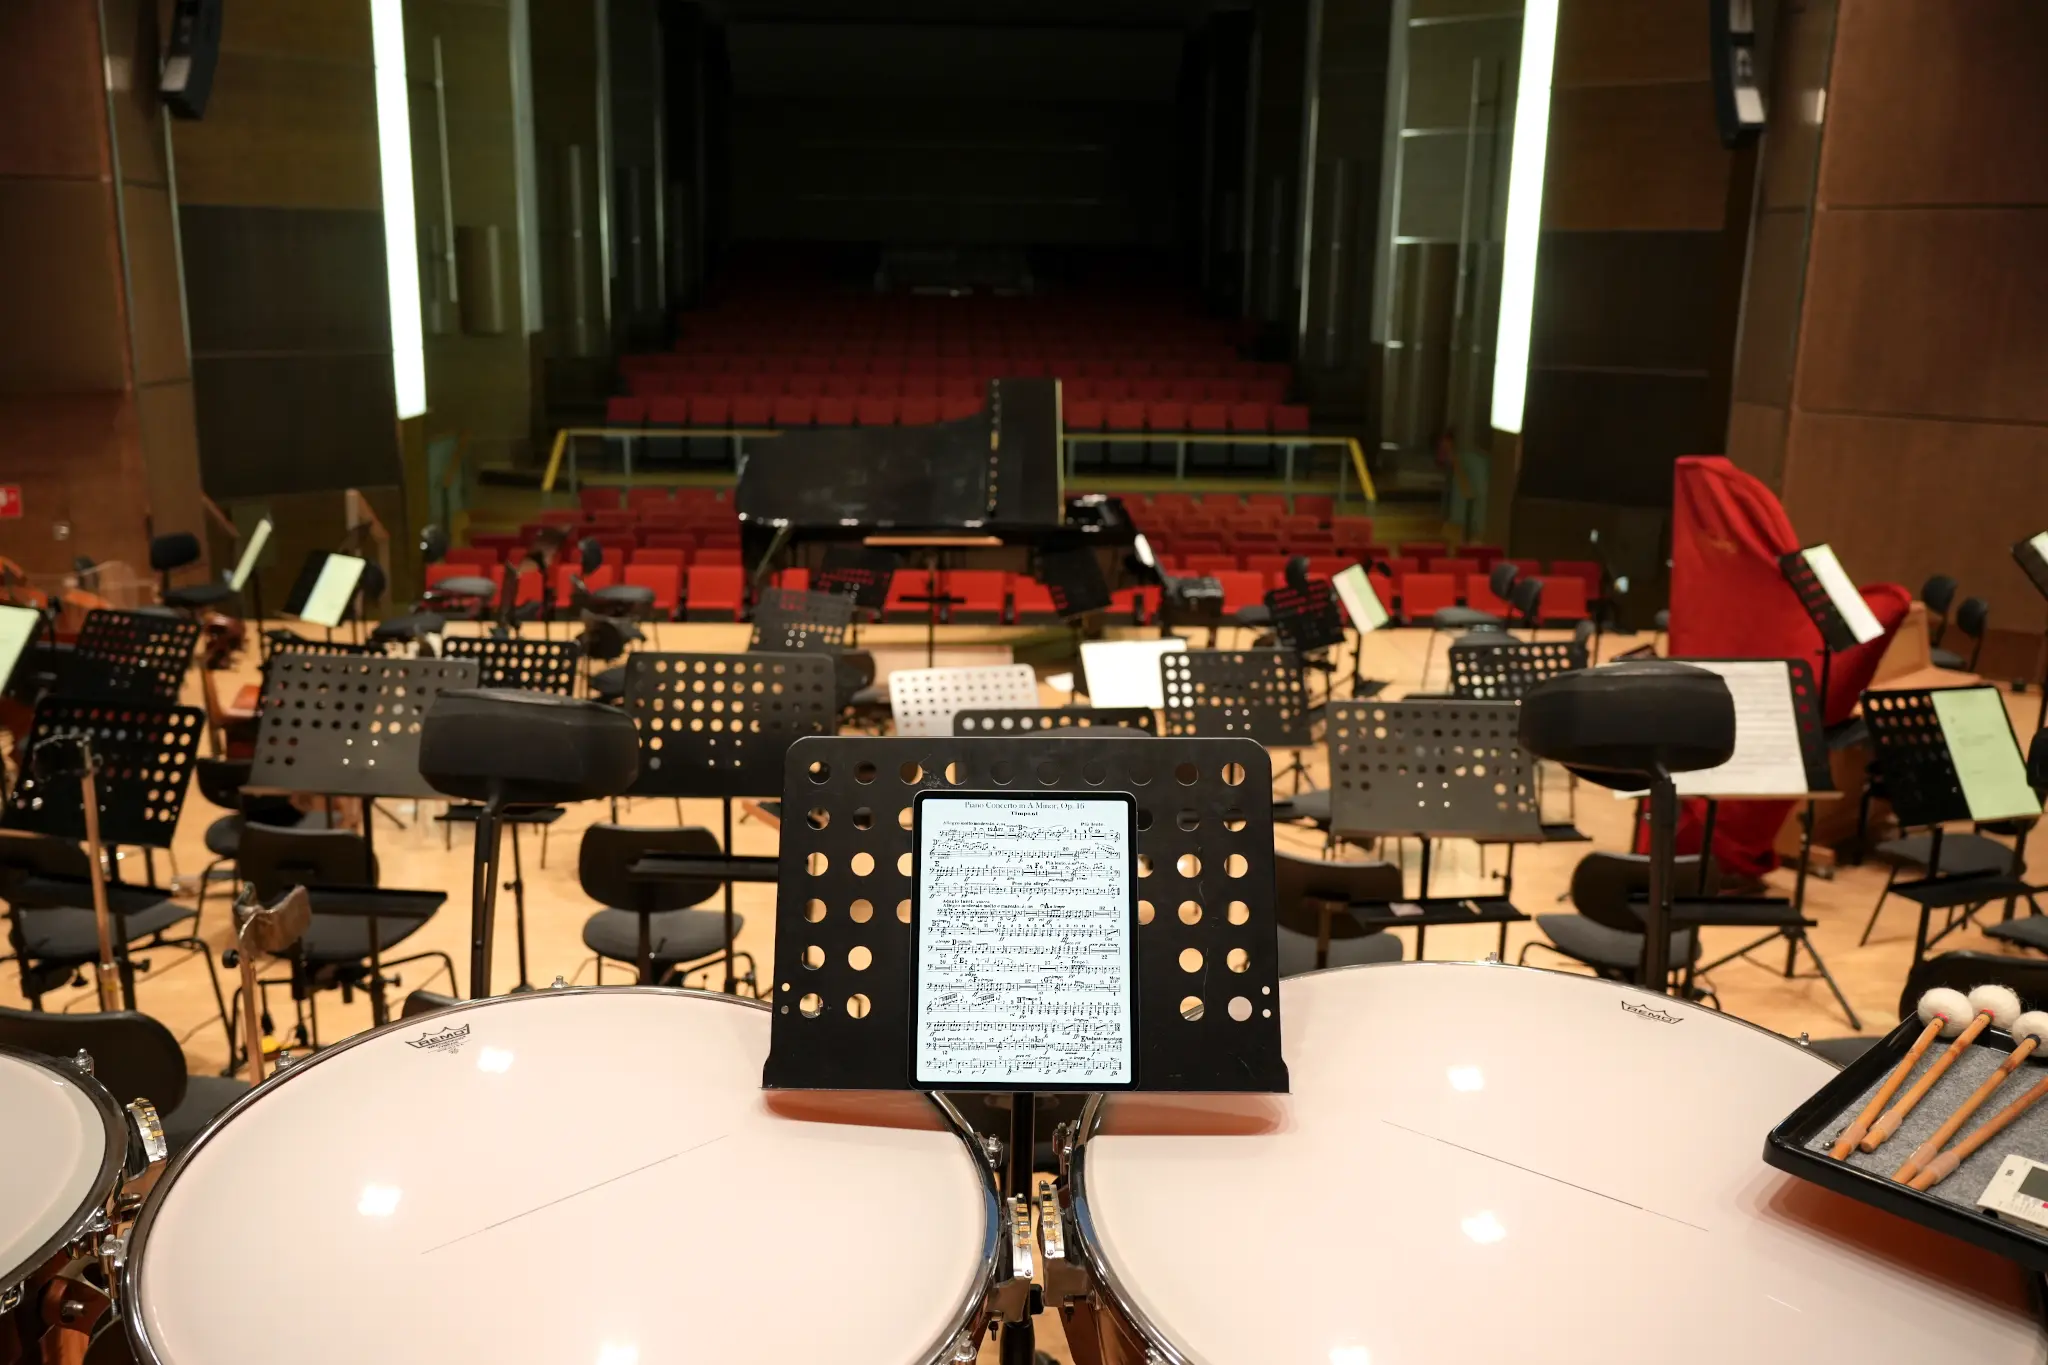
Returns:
point(717, 726)
point(1074, 578)
point(145, 755)
point(1254, 694)
point(1017, 722)
point(1506, 672)
point(342, 725)
point(129, 656)
point(862, 572)
point(1306, 618)
point(1208, 999)
point(1925, 789)
point(2032, 557)
point(520, 665)
point(1836, 634)
point(1434, 769)
point(787, 621)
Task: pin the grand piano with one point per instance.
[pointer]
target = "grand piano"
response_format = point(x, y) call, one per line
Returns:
point(985, 491)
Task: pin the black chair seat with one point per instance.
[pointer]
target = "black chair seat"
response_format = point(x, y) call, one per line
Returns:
point(1313, 806)
point(224, 836)
point(333, 939)
point(1465, 618)
point(1298, 951)
point(199, 595)
point(677, 935)
point(1596, 945)
point(1961, 854)
point(409, 627)
point(2028, 931)
point(1841, 1051)
point(625, 594)
point(72, 938)
point(609, 684)
point(206, 1099)
point(465, 586)
point(1948, 658)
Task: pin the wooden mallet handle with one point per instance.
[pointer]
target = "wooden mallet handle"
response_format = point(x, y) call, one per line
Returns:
point(1942, 1166)
point(1853, 1134)
point(1896, 1115)
point(1931, 1148)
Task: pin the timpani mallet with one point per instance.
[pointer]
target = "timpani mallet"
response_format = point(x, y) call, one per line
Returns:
point(1939, 1169)
point(2031, 1029)
point(1993, 1005)
point(1941, 1009)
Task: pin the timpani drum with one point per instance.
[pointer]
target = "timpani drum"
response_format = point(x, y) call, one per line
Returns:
point(591, 1176)
point(1480, 1163)
point(65, 1161)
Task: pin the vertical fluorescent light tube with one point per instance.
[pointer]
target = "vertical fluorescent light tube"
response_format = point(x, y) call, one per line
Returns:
point(1525, 214)
point(401, 255)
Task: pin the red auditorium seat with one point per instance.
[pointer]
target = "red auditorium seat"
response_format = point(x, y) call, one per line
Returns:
point(955, 407)
point(717, 591)
point(806, 385)
point(1585, 570)
point(669, 540)
point(602, 577)
point(1290, 417)
point(1030, 367)
point(1400, 565)
point(794, 410)
point(1124, 416)
point(1241, 589)
point(983, 593)
point(1531, 568)
point(1209, 417)
point(1423, 549)
point(1423, 595)
point(618, 544)
point(890, 365)
point(597, 499)
point(623, 411)
point(1167, 416)
point(1250, 417)
point(875, 412)
point(1151, 390)
point(918, 412)
point(528, 588)
point(1564, 598)
point(1328, 566)
point(665, 579)
point(710, 410)
point(1351, 531)
point(1113, 390)
point(1181, 502)
point(795, 580)
point(561, 516)
point(1032, 599)
point(1083, 416)
point(765, 385)
point(1205, 564)
point(919, 386)
point(1485, 554)
point(1454, 564)
point(853, 363)
point(1189, 391)
point(480, 556)
point(843, 386)
point(835, 411)
point(655, 554)
point(505, 545)
point(1273, 566)
point(1077, 390)
point(1275, 501)
point(1479, 596)
point(1317, 505)
point(668, 411)
point(753, 410)
point(718, 556)
point(1297, 525)
point(1225, 391)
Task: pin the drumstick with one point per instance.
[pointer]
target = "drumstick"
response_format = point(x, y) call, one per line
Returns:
point(2031, 1029)
point(1940, 1009)
point(1942, 1166)
point(1994, 1005)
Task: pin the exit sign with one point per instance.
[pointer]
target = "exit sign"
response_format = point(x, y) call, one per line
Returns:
point(10, 501)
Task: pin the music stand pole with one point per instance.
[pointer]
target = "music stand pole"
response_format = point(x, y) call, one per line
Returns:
point(107, 974)
point(1020, 1338)
point(2041, 716)
point(483, 892)
point(731, 976)
point(1657, 915)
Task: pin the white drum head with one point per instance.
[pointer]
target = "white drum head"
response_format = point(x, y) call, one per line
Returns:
point(568, 1177)
point(1481, 1163)
point(60, 1153)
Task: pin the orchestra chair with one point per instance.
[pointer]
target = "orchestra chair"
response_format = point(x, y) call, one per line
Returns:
point(177, 550)
point(334, 952)
point(2026, 977)
point(1304, 887)
point(135, 1058)
point(649, 922)
point(1938, 595)
point(1972, 618)
point(1606, 934)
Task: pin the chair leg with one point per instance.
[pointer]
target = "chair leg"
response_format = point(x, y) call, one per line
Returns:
point(1878, 909)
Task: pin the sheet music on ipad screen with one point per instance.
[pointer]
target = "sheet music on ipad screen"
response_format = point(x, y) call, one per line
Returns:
point(1024, 942)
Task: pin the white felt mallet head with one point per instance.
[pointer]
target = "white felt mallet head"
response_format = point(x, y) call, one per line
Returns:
point(2001, 1003)
point(1952, 1007)
point(2033, 1024)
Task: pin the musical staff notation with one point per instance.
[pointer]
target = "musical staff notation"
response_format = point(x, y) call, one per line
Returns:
point(1024, 965)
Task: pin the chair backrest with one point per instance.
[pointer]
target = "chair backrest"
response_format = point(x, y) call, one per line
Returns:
point(1298, 880)
point(1602, 884)
point(173, 550)
point(41, 855)
point(2026, 977)
point(1971, 618)
point(609, 850)
point(133, 1055)
point(1500, 579)
point(274, 860)
point(1939, 593)
point(220, 780)
point(1527, 598)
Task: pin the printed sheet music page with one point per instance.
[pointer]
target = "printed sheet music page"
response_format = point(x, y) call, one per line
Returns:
point(1025, 972)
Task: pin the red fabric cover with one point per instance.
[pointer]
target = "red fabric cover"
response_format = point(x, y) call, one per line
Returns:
point(1729, 600)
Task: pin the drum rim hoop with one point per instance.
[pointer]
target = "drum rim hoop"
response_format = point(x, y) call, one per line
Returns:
point(1089, 1244)
point(113, 1161)
point(128, 1299)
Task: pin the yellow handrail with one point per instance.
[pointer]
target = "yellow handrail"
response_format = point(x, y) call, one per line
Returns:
point(1350, 443)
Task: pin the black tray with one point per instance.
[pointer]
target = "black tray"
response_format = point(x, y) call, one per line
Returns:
point(1786, 1149)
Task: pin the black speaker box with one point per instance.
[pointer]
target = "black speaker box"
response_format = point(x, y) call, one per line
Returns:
point(1738, 83)
point(187, 77)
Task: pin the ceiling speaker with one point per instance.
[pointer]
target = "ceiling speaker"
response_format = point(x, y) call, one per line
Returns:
point(187, 77)
point(1738, 94)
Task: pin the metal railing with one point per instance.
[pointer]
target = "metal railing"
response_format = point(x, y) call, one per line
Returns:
point(564, 452)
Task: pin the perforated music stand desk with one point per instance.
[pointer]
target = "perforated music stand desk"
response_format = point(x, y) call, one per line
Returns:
point(1255, 694)
point(925, 700)
point(1506, 672)
point(1013, 722)
point(717, 726)
point(1925, 789)
point(129, 656)
point(790, 622)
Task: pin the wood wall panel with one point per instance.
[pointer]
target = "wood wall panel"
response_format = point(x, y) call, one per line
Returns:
point(158, 311)
point(1756, 439)
point(283, 132)
point(319, 30)
point(1804, 39)
point(1770, 325)
point(1633, 542)
point(1938, 104)
point(1637, 157)
point(275, 280)
point(1903, 499)
point(52, 114)
point(295, 423)
point(135, 45)
point(1928, 313)
point(60, 263)
point(1627, 300)
point(170, 450)
point(1610, 436)
point(51, 439)
point(1631, 42)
